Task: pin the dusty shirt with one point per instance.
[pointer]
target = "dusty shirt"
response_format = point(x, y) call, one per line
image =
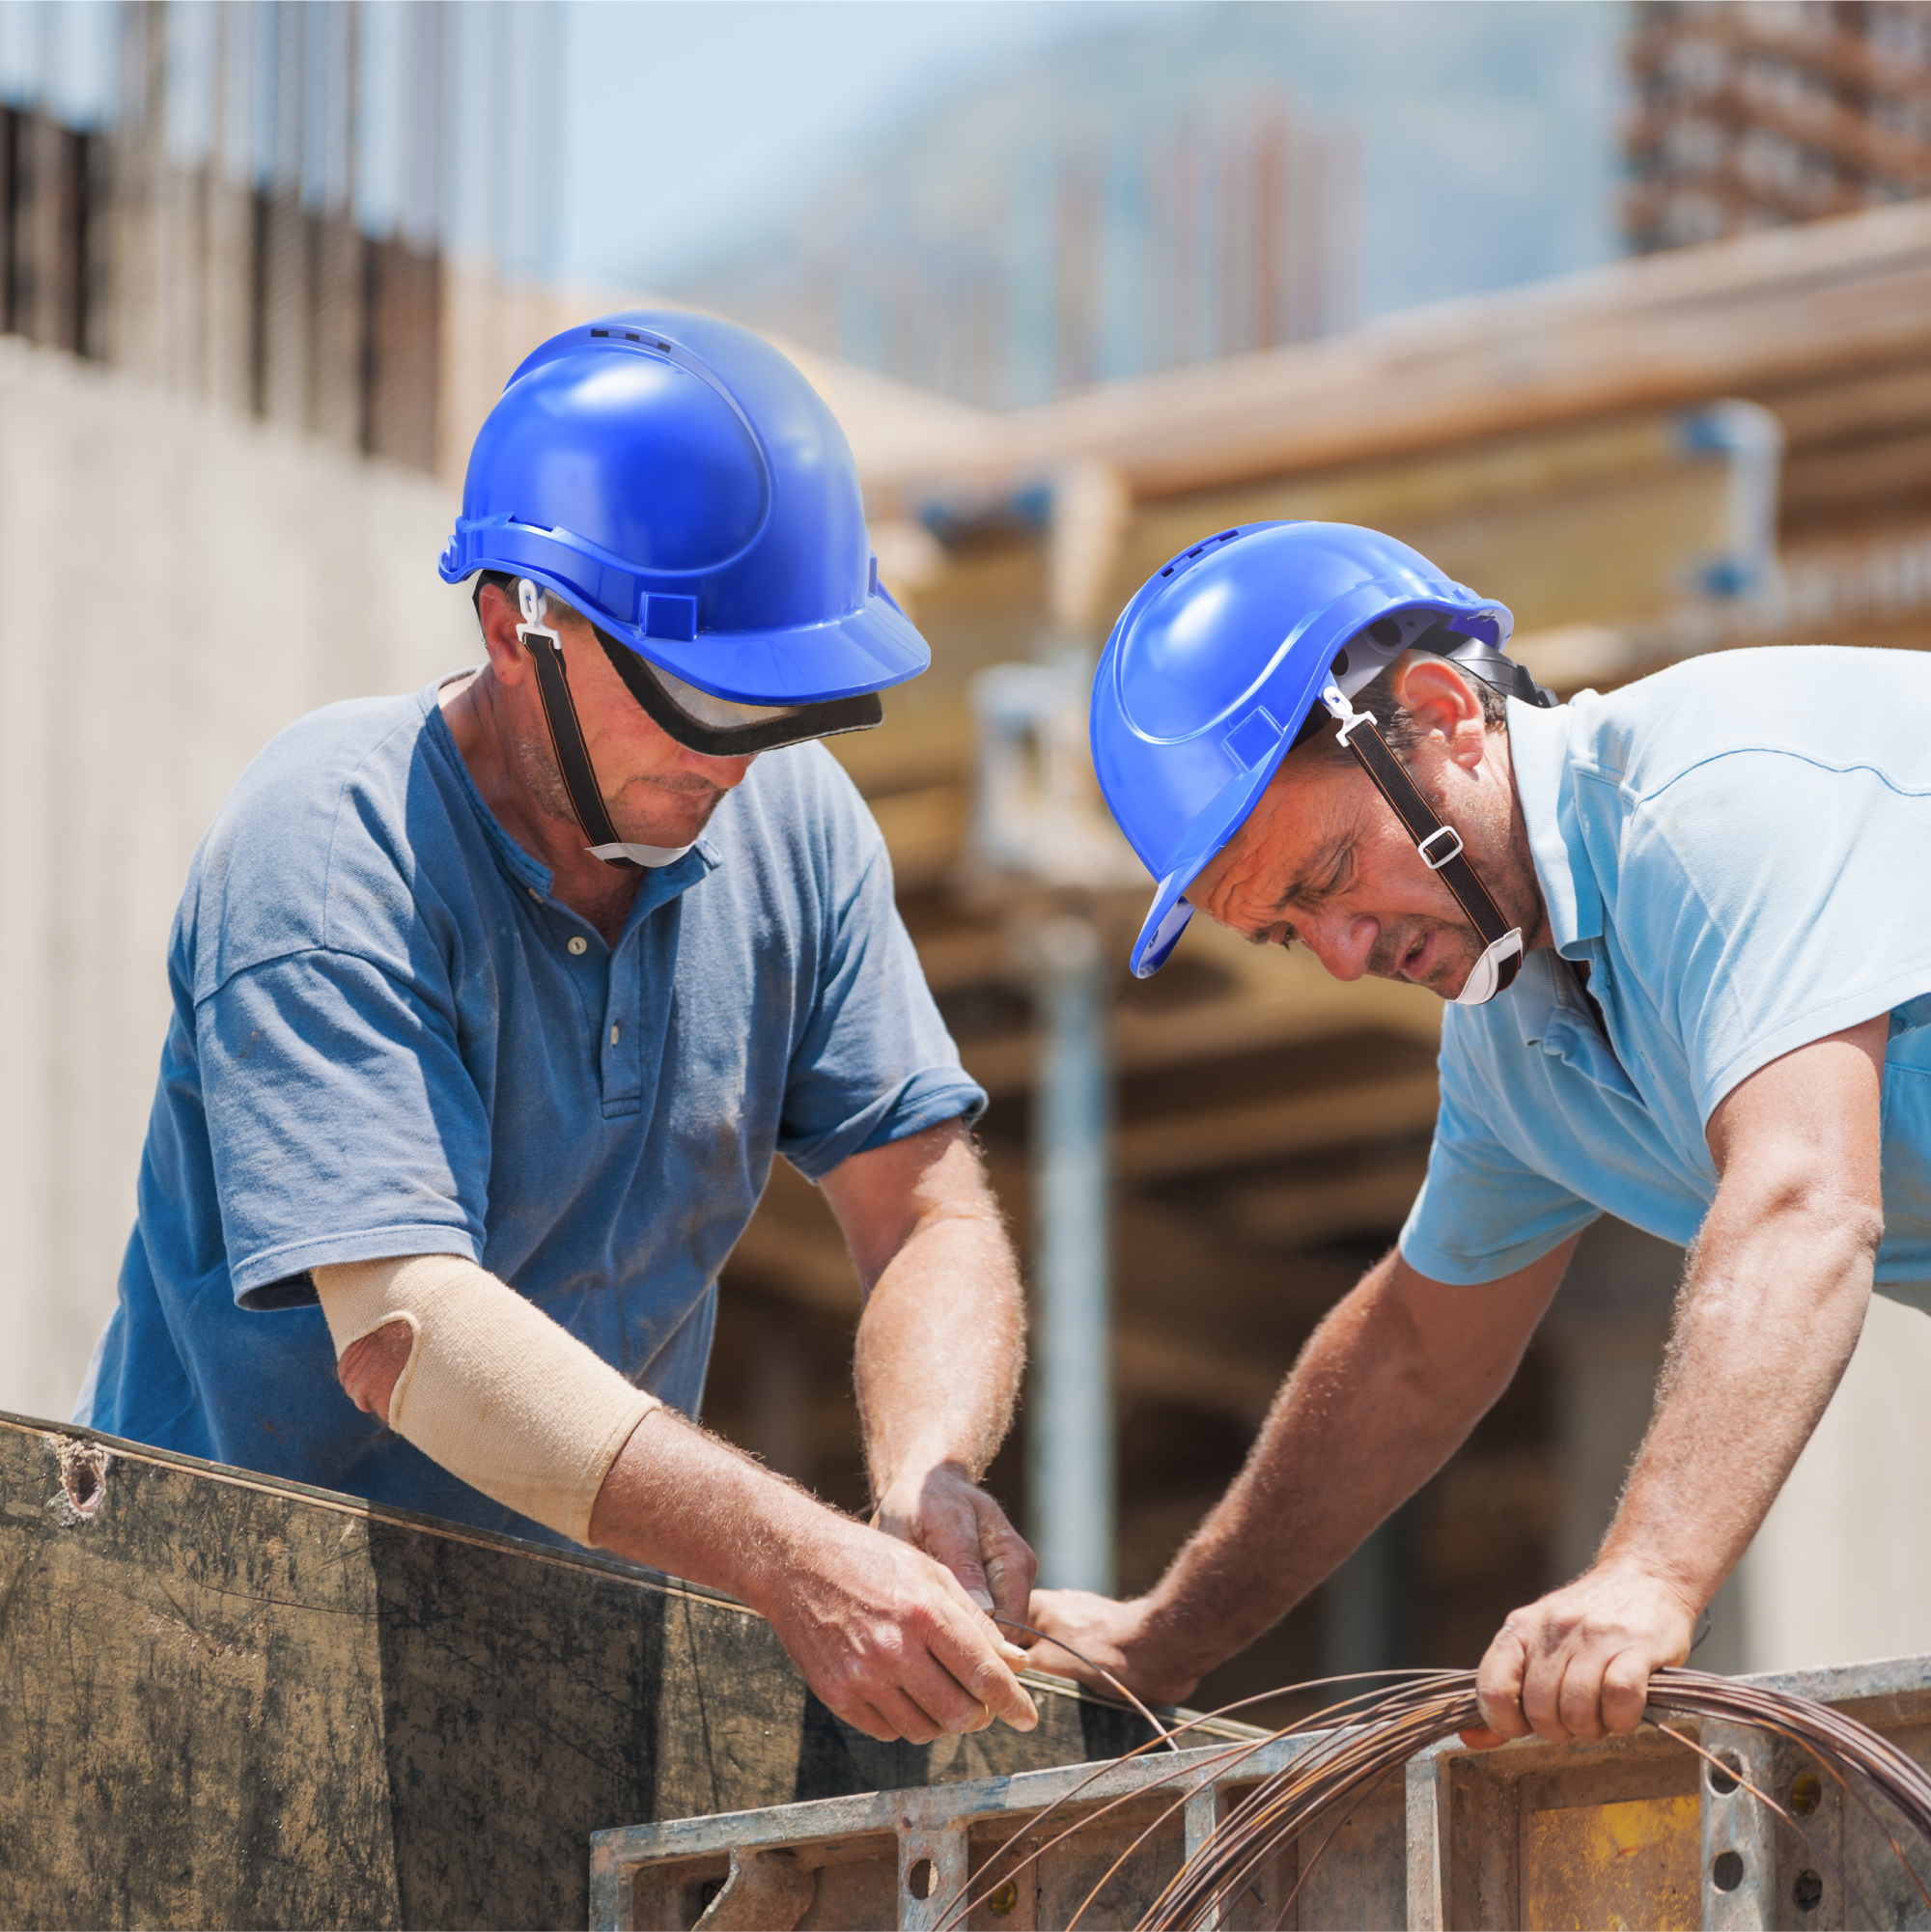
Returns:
point(389, 1038)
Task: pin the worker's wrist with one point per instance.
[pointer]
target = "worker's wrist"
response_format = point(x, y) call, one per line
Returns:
point(909, 1476)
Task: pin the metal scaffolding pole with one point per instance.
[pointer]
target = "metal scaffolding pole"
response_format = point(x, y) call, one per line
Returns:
point(1071, 1419)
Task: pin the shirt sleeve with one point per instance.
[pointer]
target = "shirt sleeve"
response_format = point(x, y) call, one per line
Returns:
point(875, 1062)
point(342, 1122)
point(1482, 1212)
point(1788, 898)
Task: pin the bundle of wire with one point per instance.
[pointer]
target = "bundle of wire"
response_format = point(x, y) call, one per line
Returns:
point(1362, 1741)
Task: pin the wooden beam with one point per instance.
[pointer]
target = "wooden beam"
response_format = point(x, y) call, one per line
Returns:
point(1730, 317)
point(1300, 1123)
point(1303, 1212)
point(1821, 478)
point(1888, 401)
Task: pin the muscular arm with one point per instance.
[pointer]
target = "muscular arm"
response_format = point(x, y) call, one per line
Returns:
point(941, 1347)
point(1386, 1390)
point(1770, 1310)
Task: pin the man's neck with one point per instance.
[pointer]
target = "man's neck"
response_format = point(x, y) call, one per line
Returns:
point(601, 893)
point(1522, 883)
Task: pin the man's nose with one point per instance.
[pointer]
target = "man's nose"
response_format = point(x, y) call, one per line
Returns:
point(1343, 942)
point(723, 773)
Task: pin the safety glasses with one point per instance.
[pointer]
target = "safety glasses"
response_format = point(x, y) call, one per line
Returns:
point(718, 727)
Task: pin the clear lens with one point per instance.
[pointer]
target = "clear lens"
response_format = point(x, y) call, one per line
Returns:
point(719, 714)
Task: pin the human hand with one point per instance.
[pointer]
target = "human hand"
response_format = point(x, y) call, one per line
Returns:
point(944, 1513)
point(890, 1641)
point(1117, 1637)
point(1577, 1664)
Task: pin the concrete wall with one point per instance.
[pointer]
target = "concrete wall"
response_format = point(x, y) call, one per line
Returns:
point(175, 585)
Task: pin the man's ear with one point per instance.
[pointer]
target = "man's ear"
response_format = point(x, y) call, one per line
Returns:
point(497, 614)
point(1440, 697)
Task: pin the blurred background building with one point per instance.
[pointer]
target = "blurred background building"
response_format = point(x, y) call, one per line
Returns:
point(1755, 114)
point(1062, 229)
point(262, 268)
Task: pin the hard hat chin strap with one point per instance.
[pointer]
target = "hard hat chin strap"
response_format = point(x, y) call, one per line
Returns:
point(1441, 848)
point(566, 734)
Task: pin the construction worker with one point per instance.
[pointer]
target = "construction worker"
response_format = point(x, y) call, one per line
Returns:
point(1685, 936)
point(493, 1004)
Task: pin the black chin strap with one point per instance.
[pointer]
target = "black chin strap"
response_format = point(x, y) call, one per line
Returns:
point(566, 734)
point(1441, 848)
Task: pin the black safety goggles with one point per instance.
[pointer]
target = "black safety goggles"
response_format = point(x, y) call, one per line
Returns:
point(718, 727)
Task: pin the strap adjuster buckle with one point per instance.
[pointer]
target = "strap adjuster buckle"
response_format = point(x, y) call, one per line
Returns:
point(1432, 863)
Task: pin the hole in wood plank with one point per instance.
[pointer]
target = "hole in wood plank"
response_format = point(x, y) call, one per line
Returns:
point(1726, 1871)
point(1807, 1793)
point(1726, 1773)
point(1806, 1893)
point(918, 1880)
point(1003, 1899)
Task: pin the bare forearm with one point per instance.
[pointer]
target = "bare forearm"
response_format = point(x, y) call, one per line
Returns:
point(940, 1349)
point(1771, 1308)
point(677, 1499)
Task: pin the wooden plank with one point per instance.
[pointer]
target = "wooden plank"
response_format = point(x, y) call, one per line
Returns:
point(235, 1701)
point(1671, 328)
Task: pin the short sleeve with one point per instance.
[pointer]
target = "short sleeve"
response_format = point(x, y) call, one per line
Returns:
point(1783, 900)
point(1482, 1212)
point(875, 1062)
point(342, 1122)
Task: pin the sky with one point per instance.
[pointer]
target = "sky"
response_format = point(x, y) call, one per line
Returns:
point(697, 119)
point(1486, 127)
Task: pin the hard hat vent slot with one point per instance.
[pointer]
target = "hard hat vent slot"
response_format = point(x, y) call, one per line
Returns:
point(599, 331)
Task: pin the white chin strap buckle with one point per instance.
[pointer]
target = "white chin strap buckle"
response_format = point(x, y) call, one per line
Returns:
point(651, 857)
point(534, 605)
point(1485, 975)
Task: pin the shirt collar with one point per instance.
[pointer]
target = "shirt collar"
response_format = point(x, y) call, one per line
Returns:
point(660, 886)
point(1545, 781)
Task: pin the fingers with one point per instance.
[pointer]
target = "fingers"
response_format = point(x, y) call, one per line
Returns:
point(977, 1663)
point(1010, 1564)
point(1577, 1665)
point(1625, 1692)
point(1499, 1685)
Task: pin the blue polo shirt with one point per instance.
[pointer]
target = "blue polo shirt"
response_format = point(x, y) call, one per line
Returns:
point(1739, 849)
point(390, 1038)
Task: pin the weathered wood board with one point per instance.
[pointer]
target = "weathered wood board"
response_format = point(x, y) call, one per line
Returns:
point(227, 1700)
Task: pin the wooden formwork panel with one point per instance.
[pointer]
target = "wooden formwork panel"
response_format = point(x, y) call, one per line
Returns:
point(1637, 1832)
point(231, 1701)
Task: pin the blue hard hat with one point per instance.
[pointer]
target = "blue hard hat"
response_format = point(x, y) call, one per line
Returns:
point(680, 483)
point(1215, 665)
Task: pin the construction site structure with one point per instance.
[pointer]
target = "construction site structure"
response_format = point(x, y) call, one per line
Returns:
point(1722, 445)
point(236, 1702)
point(1755, 113)
point(1638, 1831)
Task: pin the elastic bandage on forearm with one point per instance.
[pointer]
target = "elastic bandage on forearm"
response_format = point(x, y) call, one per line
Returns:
point(494, 1389)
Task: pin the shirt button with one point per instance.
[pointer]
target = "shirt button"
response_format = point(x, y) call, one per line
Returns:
point(580, 945)
point(533, 893)
point(613, 1036)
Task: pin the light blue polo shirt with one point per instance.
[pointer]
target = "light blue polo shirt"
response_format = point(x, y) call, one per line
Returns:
point(390, 1038)
point(1739, 847)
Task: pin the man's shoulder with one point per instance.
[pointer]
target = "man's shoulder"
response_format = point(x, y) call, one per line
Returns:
point(1826, 704)
point(342, 797)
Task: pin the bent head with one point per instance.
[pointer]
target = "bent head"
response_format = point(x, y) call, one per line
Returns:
point(657, 790)
point(1322, 861)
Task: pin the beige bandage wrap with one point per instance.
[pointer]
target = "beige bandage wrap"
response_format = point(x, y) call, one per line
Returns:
point(493, 1390)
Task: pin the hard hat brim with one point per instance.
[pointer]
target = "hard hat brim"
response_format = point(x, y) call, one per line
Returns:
point(869, 649)
point(1168, 916)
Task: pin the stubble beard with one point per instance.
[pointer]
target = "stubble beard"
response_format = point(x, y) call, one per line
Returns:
point(1512, 883)
point(542, 782)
